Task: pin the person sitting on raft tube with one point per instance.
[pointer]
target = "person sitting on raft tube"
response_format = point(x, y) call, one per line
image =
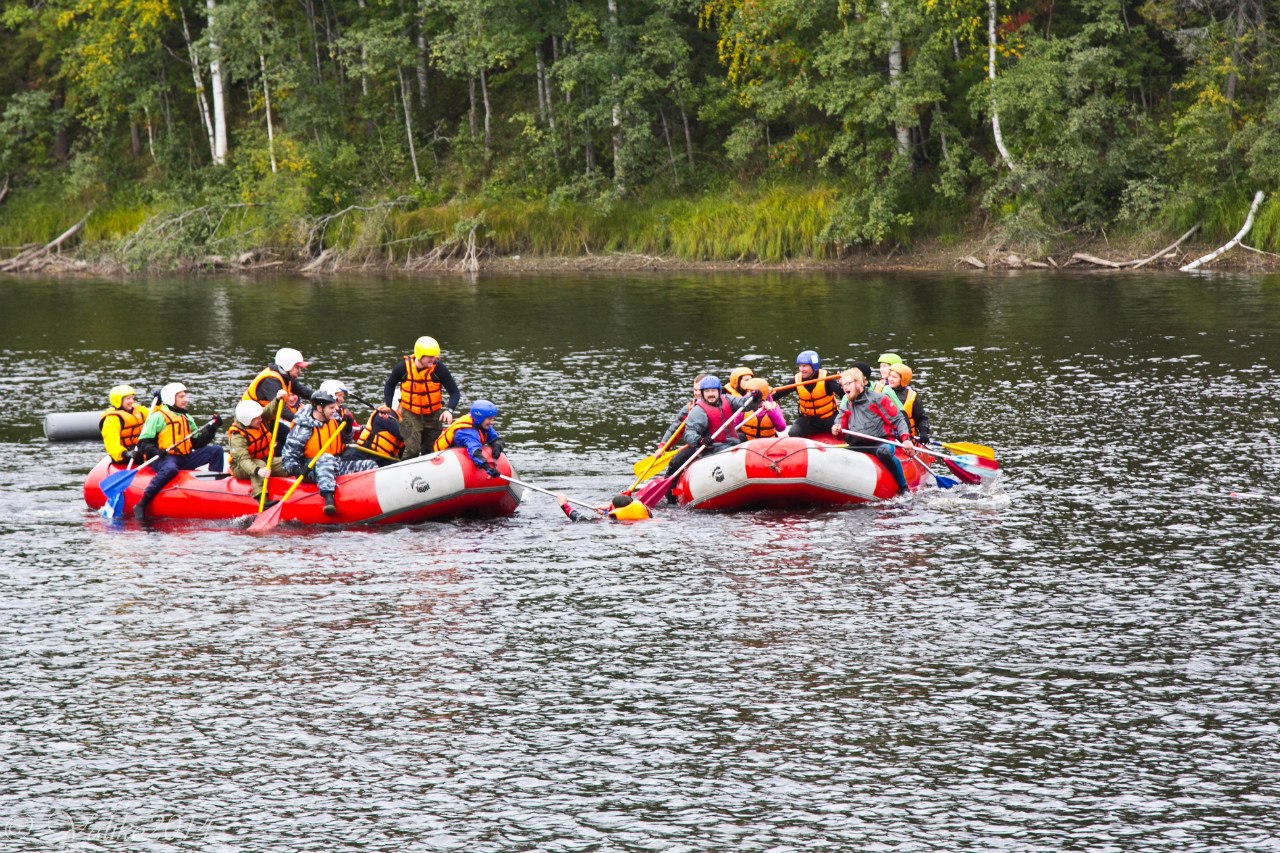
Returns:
point(760, 417)
point(281, 373)
point(121, 425)
point(900, 383)
point(867, 411)
point(249, 443)
point(738, 376)
point(887, 361)
point(313, 425)
point(472, 432)
point(621, 508)
point(165, 435)
point(818, 400)
point(710, 411)
point(423, 412)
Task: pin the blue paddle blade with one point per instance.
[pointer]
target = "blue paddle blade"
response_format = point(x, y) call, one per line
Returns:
point(113, 508)
point(945, 482)
point(113, 487)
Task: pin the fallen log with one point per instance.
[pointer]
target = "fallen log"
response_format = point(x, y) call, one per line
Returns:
point(973, 262)
point(1097, 262)
point(314, 266)
point(1013, 262)
point(24, 260)
point(1244, 229)
point(1040, 265)
point(1166, 250)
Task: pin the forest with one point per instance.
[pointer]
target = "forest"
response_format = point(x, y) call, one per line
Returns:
point(428, 131)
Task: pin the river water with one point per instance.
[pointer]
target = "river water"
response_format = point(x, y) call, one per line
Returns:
point(1082, 659)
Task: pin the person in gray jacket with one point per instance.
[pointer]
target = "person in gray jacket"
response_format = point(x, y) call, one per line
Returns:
point(867, 411)
point(703, 426)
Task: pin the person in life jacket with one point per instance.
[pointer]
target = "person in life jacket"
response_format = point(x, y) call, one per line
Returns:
point(677, 422)
point(887, 360)
point(900, 383)
point(708, 424)
point(121, 425)
point(170, 433)
point(818, 400)
point(381, 435)
point(282, 373)
point(472, 432)
point(867, 411)
point(249, 443)
point(313, 426)
point(738, 376)
point(422, 380)
point(338, 391)
point(760, 417)
point(621, 508)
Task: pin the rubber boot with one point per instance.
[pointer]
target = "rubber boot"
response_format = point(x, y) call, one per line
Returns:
point(330, 508)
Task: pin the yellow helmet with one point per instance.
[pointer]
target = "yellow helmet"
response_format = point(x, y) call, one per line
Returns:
point(425, 346)
point(118, 394)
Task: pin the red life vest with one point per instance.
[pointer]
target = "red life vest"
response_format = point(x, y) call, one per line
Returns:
point(716, 416)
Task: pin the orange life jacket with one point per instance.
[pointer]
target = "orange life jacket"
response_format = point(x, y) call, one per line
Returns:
point(176, 428)
point(321, 434)
point(285, 380)
point(419, 391)
point(909, 407)
point(446, 438)
point(382, 441)
point(130, 424)
point(815, 400)
point(259, 439)
point(757, 424)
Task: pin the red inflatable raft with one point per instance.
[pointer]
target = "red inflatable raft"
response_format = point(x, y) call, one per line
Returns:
point(789, 472)
point(441, 485)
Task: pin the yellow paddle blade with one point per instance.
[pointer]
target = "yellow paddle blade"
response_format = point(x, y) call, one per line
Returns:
point(969, 447)
point(650, 465)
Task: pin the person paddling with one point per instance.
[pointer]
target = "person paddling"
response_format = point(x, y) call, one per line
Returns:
point(472, 432)
point(760, 417)
point(249, 443)
point(313, 426)
point(121, 425)
point(621, 508)
point(710, 411)
point(424, 413)
point(900, 383)
point(818, 400)
point(165, 435)
point(868, 411)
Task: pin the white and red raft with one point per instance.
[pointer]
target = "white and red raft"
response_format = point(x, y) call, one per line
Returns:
point(788, 472)
point(441, 485)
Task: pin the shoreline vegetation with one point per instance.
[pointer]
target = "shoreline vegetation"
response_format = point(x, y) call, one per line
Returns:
point(455, 135)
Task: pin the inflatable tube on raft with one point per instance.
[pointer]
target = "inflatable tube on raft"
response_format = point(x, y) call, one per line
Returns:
point(788, 472)
point(72, 426)
point(441, 485)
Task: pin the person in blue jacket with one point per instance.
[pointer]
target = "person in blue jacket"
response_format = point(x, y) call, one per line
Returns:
point(472, 432)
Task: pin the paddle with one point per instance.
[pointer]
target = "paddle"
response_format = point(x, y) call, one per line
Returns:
point(275, 430)
point(968, 447)
point(267, 520)
point(113, 486)
point(646, 467)
point(969, 469)
point(652, 493)
point(548, 492)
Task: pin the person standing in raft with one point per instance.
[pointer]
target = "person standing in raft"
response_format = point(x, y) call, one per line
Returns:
point(423, 412)
point(900, 383)
point(818, 400)
point(472, 432)
point(621, 508)
point(121, 425)
point(164, 434)
point(249, 443)
point(869, 412)
point(313, 426)
point(710, 411)
point(282, 373)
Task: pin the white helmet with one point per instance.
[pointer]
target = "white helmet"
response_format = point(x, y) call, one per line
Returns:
point(333, 386)
point(247, 410)
point(169, 393)
point(288, 357)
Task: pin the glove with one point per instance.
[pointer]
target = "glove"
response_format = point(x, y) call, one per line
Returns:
point(492, 472)
point(349, 418)
point(497, 447)
point(161, 453)
point(131, 456)
point(216, 420)
point(706, 441)
point(756, 395)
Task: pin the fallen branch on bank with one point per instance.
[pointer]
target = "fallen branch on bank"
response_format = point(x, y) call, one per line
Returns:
point(1233, 242)
point(1095, 261)
point(316, 233)
point(37, 258)
point(1167, 250)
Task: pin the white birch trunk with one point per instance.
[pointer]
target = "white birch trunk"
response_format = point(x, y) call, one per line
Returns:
point(484, 92)
point(408, 126)
point(902, 131)
point(541, 81)
point(217, 91)
point(619, 168)
point(266, 102)
point(1248, 223)
point(364, 57)
point(201, 99)
point(991, 75)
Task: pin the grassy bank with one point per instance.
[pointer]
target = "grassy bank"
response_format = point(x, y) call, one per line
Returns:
point(770, 223)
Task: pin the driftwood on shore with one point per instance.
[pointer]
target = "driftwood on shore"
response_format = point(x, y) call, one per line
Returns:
point(1232, 243)
point(1014, 261)
point(39, 257)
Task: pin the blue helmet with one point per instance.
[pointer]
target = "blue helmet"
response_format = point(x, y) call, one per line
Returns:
point(809, 357)
point(482, 409)
point(710, 382)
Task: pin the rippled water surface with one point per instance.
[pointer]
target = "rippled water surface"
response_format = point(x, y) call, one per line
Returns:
point(1083, 659)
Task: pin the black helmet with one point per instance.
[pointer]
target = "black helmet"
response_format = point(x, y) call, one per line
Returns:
point(323, 398)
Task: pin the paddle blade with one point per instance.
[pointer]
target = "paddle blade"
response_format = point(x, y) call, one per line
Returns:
point(113, 485)
point(944, 482)
point(969, 447)
point(962, 474)
point(652, 493)
point(987, 469)
point(650, 465)
point(114, 508)
point(268, 519)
